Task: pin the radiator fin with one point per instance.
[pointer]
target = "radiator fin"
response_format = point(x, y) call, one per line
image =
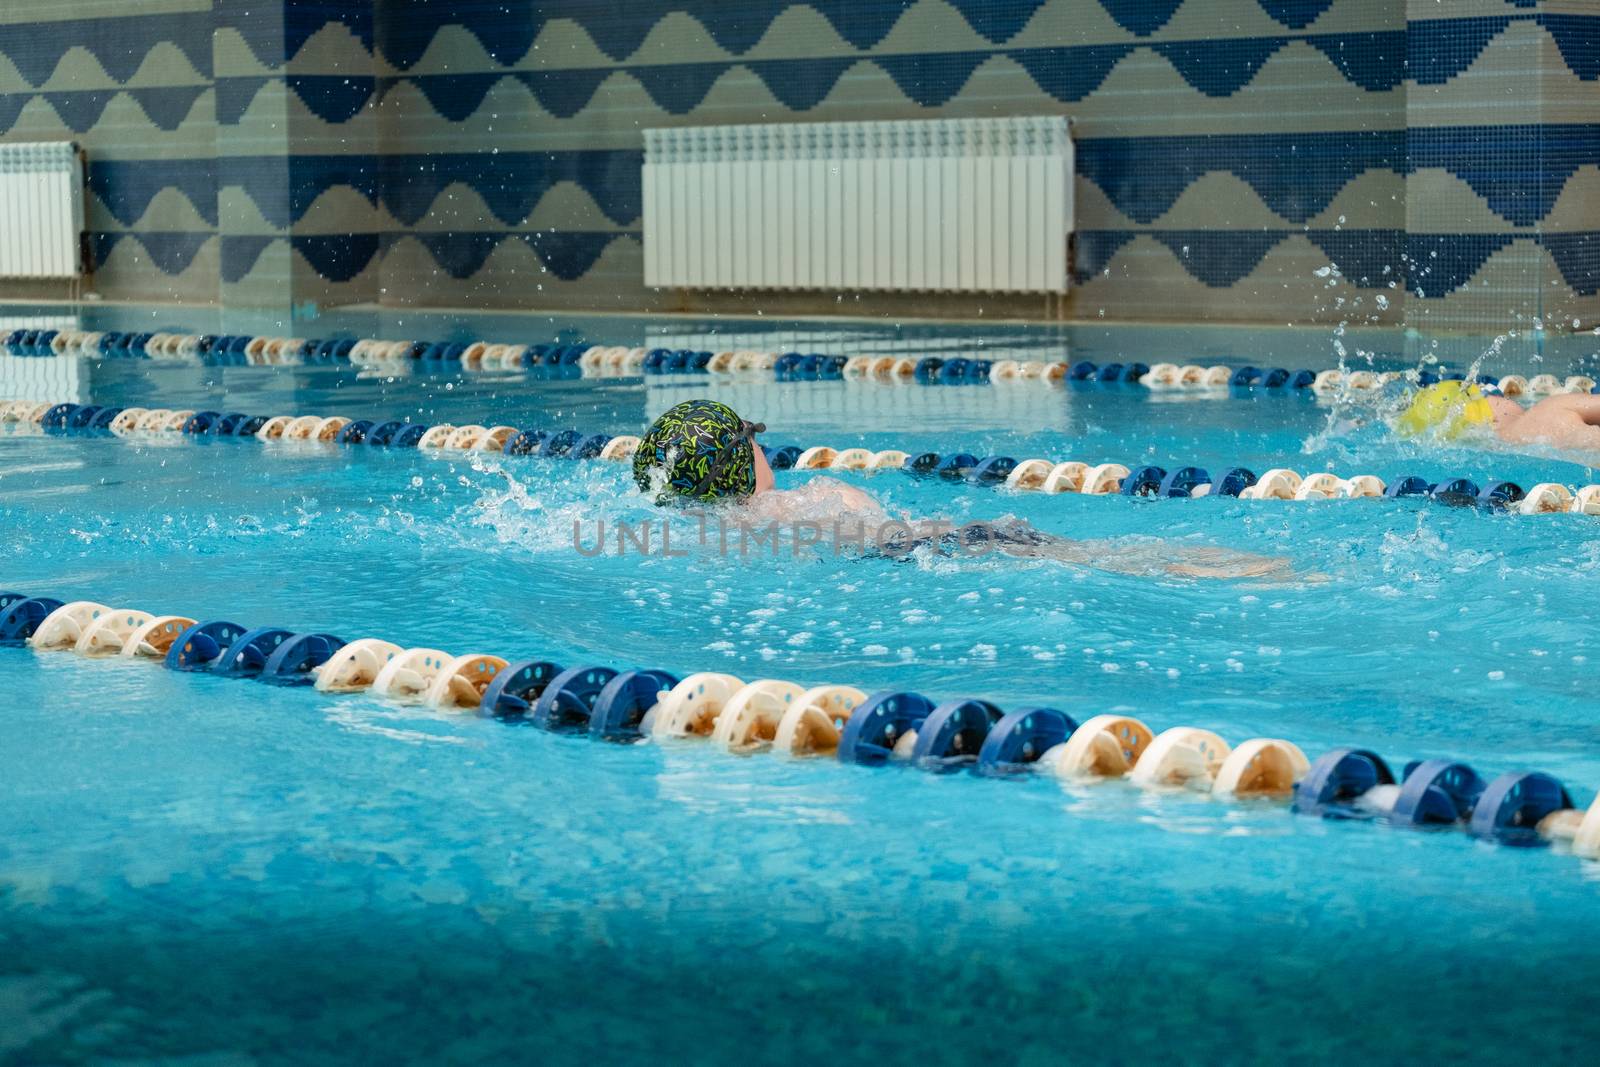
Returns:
point(969, 205)
point(41, 210)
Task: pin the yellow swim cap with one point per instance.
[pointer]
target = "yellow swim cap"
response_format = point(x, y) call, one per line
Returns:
point(1446, 409)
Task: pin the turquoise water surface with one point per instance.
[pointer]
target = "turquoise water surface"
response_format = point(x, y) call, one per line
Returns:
point(200, 870)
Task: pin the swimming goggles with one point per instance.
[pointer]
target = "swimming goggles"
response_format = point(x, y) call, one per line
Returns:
point(725, 455)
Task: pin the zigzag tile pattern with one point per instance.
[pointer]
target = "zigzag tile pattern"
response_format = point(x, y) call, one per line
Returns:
point(1158, 109)
point(276, 30)
point(507, 32)
point(1439, 263)
point(340, 257)
point(1431, 52)
point(1066, 74)
point(120, 45)
point(1295, 175)
point(1429, 264)
point(335, 98)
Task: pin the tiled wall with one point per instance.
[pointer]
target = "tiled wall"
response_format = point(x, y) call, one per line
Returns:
point(1253, 160)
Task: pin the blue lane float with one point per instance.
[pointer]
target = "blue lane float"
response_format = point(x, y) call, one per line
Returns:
point(1149, 481)
point(1020, 739)
point(620, 707)
point(354, 433)
point(1436, 792)
point(953, 734)
point(1184, 480)
point(1514, 804)
point(877, 726)
point(1144, 481)
point(383, 434)
point(517, 688)
point(293, 662)
point(586, 359)
point(566, 703)
point(248, 654)
point(23, 616)
point(1338, 780)
point(991, 470)
point(1516, 808)
point(202, 645)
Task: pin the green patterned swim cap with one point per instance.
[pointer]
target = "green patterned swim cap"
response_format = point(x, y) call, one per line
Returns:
point(702, 448)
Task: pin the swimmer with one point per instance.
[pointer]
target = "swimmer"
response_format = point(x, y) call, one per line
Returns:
point(1455, 409)
point(702, 451)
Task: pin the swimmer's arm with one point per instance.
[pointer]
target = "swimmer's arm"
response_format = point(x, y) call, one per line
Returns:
point(854, 500)
point(1506, 414)
point(818, 500)
point(764, 479)
point(1226, 563)
point(1162, 558)
point(849, 497)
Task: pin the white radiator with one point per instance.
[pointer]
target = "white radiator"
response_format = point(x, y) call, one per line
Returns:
point(41, 210)
point(975, 205)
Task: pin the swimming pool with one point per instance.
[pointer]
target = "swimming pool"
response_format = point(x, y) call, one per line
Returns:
point(197, 867)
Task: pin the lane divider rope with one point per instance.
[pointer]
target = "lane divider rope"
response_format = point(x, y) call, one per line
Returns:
point(830, 721)
point(1028, 475)
point(601, 360)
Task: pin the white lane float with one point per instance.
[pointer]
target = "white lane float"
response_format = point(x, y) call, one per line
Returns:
point(1261, 767)
point(749, 720)
point(889, 458)
point(462, 680)
point(1162, 376)
point(818, 457)
point(1183, 756)
point(1586, 501)
point(274, 428)
point(1067, 477)
point(1276, 484)
point(851, 459)
point(495, 437)
point(619, 448)
point(436, 436)
point(1318, 486)
point(64, 626)
point(127, 421)
point(691, 707)
point(1103, 480)
point(1360, 486)
point(1546, 498)
point(355, 666)
point(108, 634)
point(813, 721)
point(153, 638)
point(1578, 830)
point(410, 674)
point(302, 428)
point(1029, 474)
point(465, 437)
point(1106, 746)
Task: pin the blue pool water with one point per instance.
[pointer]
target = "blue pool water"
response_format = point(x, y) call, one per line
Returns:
point(210, 871)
